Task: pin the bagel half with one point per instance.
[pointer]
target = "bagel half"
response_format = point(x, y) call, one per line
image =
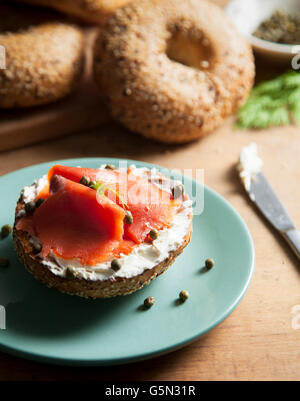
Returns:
point(93, 11)
point(172, 70)
point(89, 287)
point(44, 57)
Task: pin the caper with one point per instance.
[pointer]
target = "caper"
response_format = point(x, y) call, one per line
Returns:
point(37, 247)
point(183, 295)
point(30, 207)
point(177, 191)
point(84, 180)
point(153, 234)
point(70, 273)
point(6, 230)
point(110, 167)
point(209, 263)
point(115, 265)
point(128, 217)
point(92, 184)
point(39, 202)
point(150, 301)
point(4, 262)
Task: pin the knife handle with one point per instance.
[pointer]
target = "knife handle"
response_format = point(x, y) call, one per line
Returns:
point(293, 239)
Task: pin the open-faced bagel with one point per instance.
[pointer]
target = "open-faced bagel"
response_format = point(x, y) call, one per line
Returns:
point(44, 57)
point(172, 70)
point(144, 263)
point(94, 11)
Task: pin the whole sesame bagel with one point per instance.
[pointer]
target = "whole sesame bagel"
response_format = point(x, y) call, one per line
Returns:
point(44, 57)
point(94, 11)
point(172, 70)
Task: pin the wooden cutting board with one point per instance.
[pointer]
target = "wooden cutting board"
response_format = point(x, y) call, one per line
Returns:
point(84, 109)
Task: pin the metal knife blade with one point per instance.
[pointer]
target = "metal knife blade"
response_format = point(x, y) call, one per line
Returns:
point(262, 194)
point(267, 201)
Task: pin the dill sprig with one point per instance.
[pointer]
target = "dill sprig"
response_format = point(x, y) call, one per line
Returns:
point(272, 103)
point(103, 188)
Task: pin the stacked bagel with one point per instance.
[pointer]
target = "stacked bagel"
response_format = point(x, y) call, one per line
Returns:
point(44, 49)
point(39, 69)
point(91, 11)
point(171, 70)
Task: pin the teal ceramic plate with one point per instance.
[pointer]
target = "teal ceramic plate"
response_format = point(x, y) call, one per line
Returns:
point(45, 325)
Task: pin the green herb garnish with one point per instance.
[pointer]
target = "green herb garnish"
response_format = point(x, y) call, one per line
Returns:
point(272, 103)
point(103, 189)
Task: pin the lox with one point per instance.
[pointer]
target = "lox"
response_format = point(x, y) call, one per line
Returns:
point(76, 221)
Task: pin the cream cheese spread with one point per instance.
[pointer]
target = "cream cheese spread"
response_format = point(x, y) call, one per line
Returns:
point(144, 256)
point(249, 165)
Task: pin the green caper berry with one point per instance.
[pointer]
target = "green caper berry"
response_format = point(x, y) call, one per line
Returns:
point(128, 217)
point(84, 181)
point(153, 234)
point(150, 301)
point(39, 202)
point(71, 273)
point(4, 262)
point(177, 191)
point(30, 207)
point(6, 230)
point(110, 167)
point(115, 265)
point(92, 184)
point(209, 263)
point(37, 247)
point(183, 295)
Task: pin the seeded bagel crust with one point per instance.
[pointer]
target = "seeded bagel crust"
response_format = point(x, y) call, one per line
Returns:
point(167, 100)
point(44, 57)
point(83, 287)
point(94, 11)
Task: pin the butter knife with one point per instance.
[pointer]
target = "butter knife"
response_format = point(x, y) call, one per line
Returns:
point(264, 197)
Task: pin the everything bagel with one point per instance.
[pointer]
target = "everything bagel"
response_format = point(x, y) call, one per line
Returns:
point(44, 57)
point(172, 70)
point(94, 11)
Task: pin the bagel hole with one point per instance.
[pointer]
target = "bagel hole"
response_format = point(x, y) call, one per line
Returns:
point(189, 49)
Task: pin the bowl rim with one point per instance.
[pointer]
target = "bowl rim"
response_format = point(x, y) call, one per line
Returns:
point(273, 46)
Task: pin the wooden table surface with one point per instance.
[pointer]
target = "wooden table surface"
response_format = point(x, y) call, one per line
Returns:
point(257, 341)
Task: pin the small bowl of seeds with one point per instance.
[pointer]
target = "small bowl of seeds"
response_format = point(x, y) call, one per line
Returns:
point(271, 26)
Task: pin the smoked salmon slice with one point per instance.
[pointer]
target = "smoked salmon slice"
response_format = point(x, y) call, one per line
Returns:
point(75, 173)
point(76, 221)
point(150, 206)
point(74, 224)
